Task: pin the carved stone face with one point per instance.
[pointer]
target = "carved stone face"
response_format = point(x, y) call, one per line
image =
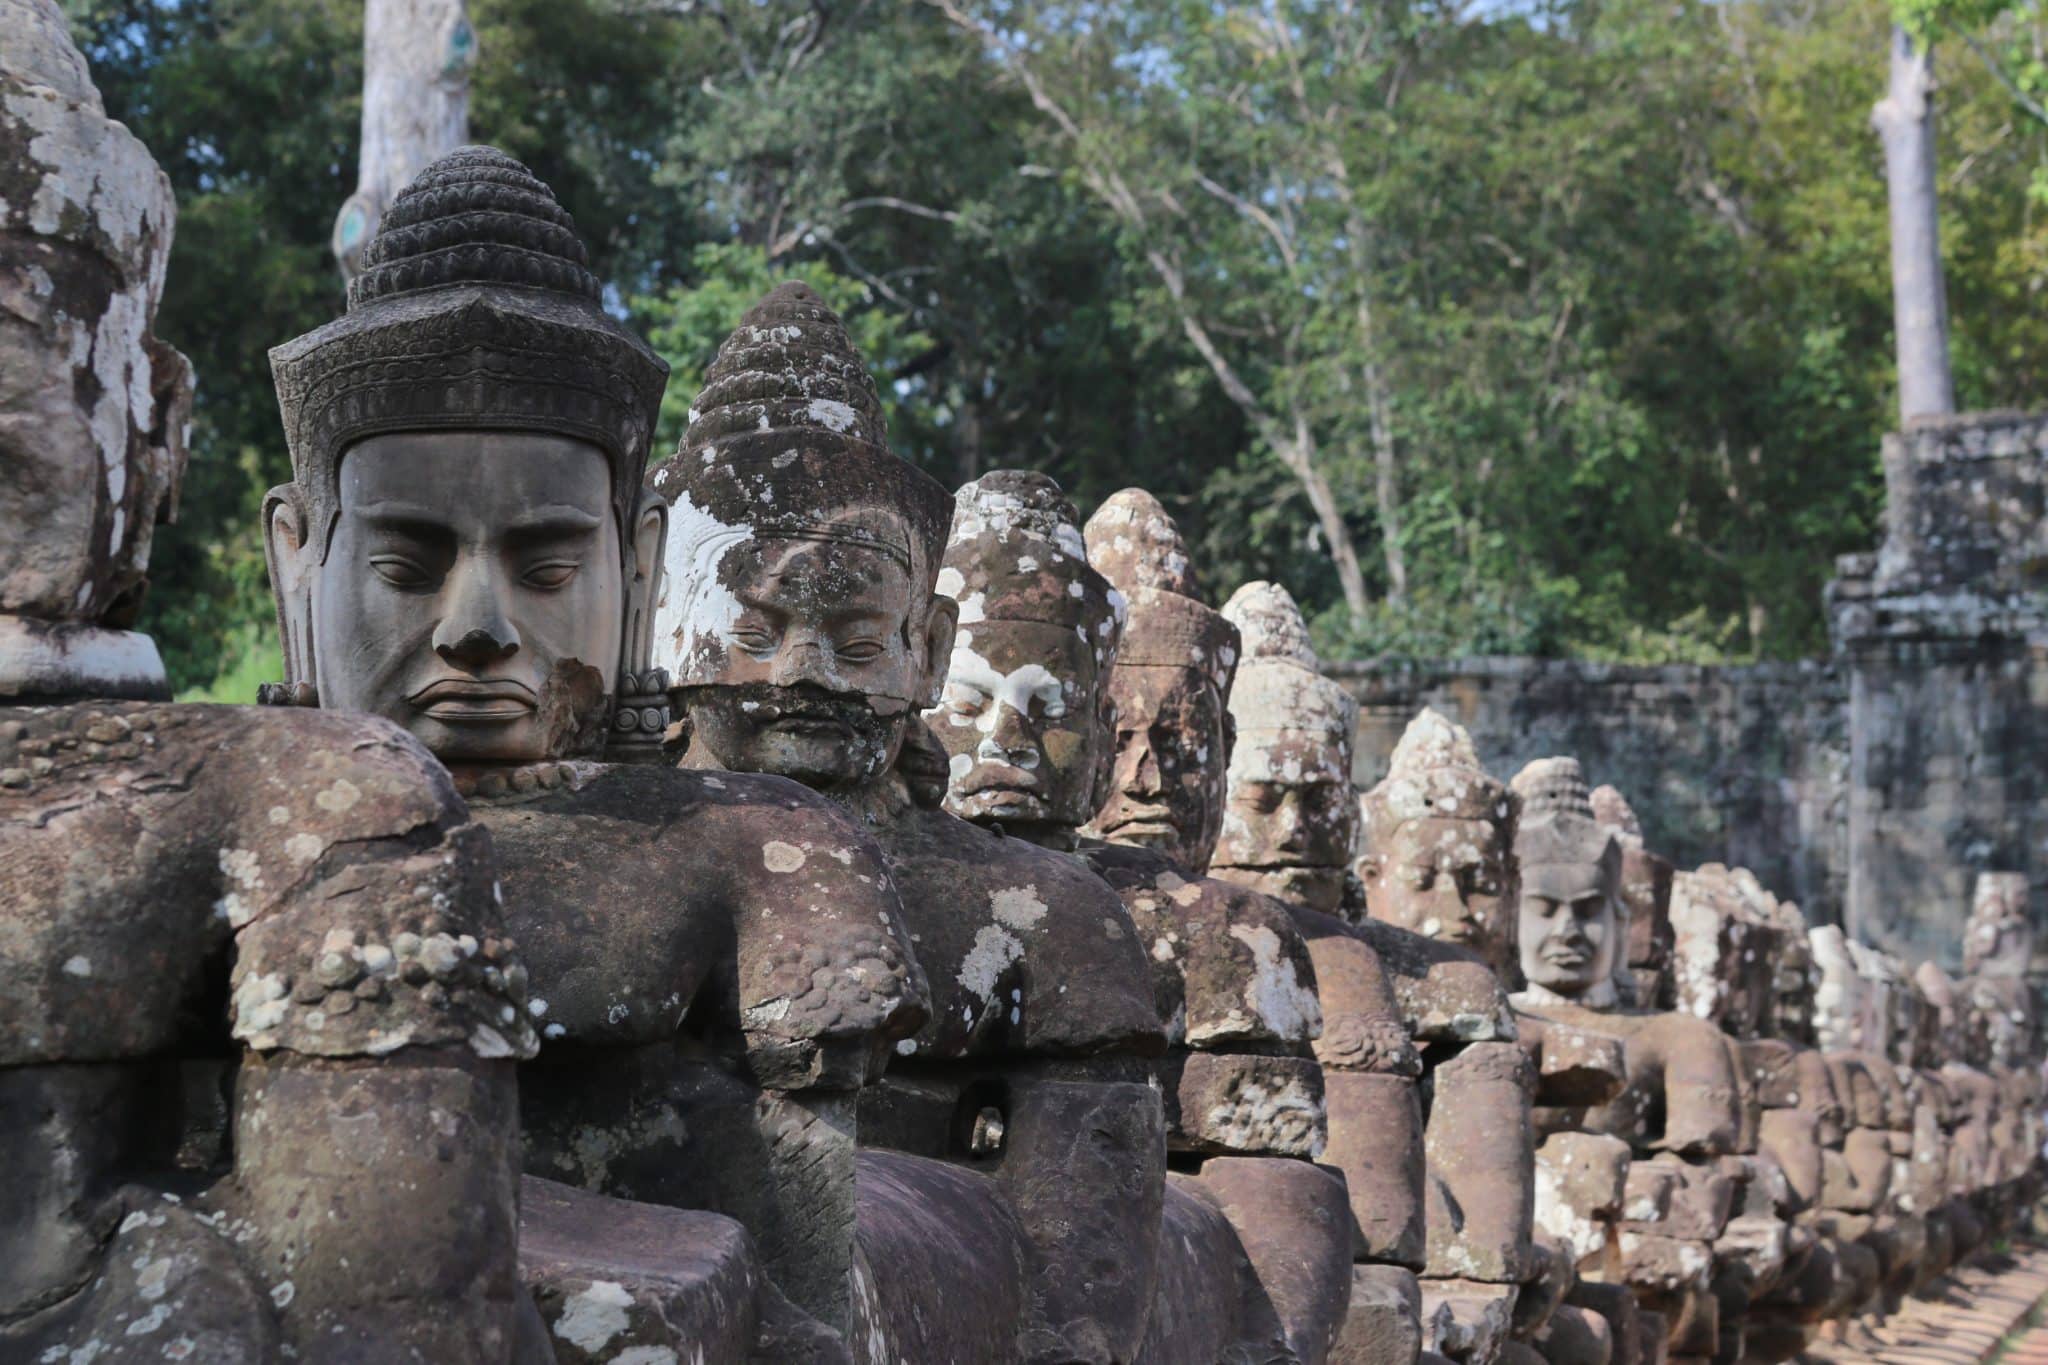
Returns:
point(1567, 926)
point(1172, 746)
point(829, 648)
point(1290, 803)
point(1024, 724)
point(473, 591)
point(1445, 879)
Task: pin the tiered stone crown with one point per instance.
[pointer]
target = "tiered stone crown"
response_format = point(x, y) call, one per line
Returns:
point(476, 310)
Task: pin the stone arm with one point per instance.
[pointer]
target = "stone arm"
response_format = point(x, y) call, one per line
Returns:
point(382, 1012)
point(1683, 1089)
point(824, 979)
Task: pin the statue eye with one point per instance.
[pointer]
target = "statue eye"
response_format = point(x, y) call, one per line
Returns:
point(860, 651)
point(753, 639)
point(551, 574)
point(400, 572)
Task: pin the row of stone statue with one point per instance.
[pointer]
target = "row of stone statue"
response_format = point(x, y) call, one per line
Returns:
point(772, 909)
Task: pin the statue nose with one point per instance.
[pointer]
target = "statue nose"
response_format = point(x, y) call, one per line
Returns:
point(477, 647)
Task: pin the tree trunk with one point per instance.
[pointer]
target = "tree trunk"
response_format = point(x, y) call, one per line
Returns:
point(1904, 120)
point(1329, 518)
point(417, 56)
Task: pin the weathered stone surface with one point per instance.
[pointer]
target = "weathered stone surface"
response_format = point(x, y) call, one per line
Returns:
point(1081, 1164)
point(1576, 1336)
point(1383, 1325)
point(610, 1276)
point(944, 1265)
point(1244, 1103)
point(1229, 968)
point(1189, 1318)
point(1467, 1320)
point(1480, 1157)
point(1580, 1184)
point(1294, 1223)
point(1939, 632)
point(1376, 1140)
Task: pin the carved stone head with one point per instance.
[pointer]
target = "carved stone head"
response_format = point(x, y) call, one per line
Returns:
point(1290, 816)
point(92, 406)
point(799, 621)
point(1171, 687)
point(465, 548)
point(1571, 924)
point(1026, 719)
point(1999, 940)
point(1841, 997)
point(1440, 844)
point(1646, 882)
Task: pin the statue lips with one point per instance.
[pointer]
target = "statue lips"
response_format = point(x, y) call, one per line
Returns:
point(484, 701)
point(1005, 792)
point(1142, 822)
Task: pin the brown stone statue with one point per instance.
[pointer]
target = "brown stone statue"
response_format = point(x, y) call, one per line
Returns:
point(1681, 1110)
point(1170, 688)
point(718, 963)
point(805, 636)
point(1440, 844)
point(258, 1013)
point(1290, 816)
point(1027, 723)
point(1477, 1206)
point(1646, 880)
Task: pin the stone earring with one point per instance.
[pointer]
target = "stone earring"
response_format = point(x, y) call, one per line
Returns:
point(640, 718)
point(287, 694)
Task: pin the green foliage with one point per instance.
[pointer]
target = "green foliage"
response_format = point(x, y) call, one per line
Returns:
point(1625, 262)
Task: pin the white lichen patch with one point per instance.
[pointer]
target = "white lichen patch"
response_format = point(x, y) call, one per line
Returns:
point(341, 796)
point(694, 612)
point(78, 965)
point(994, 949)
point(778, 856)
point(1018, 907)
point(1274, 991)
point(593, 1316)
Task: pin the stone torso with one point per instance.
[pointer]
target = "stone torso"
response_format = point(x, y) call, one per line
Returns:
point(1026, 949)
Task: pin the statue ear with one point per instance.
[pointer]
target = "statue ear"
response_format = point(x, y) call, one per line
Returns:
point(938, 648)
point(293, 561)
point(643, 580)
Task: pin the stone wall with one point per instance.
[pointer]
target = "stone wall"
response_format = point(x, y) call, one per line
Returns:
point(1739, 765)
point(1871, 788)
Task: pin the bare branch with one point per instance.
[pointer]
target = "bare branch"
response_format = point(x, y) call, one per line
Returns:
point(1281, 243)
point(886, 201)
point(2019, 96)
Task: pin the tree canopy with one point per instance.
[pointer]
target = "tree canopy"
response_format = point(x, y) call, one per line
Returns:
point(1556, 327)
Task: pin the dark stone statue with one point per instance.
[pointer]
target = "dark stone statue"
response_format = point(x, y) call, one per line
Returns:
point(804, 634)
point(258, 1011)
point(718, 963)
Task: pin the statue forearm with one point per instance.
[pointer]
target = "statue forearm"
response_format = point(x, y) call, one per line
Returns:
point(382, 1193)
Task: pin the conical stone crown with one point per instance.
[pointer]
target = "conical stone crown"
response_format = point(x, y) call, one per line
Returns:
point(789, 366)
point(475, 216)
